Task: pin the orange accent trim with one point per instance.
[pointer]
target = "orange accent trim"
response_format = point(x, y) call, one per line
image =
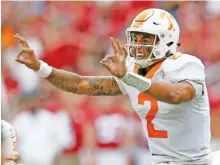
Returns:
point(135, 69)
point(140, 17)
point(175, 57)
point(164, 15)
point(153, 70)
point(152, 132)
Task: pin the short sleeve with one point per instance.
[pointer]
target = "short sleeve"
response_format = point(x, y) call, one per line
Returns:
point(194, 74)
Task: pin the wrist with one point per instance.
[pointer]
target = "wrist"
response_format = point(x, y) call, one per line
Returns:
point(44, 70)
point(137, 81)
point(37, 66)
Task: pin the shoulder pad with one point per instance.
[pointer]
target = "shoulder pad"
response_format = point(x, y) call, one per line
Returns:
point(178, 61)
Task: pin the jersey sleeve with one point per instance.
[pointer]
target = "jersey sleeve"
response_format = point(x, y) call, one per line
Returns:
point(194, 74)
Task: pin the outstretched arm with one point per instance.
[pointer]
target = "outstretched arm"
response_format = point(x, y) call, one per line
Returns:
point(68, 81)
point(90, 85)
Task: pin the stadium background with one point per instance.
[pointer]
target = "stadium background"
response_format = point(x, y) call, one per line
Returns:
point(74, 36)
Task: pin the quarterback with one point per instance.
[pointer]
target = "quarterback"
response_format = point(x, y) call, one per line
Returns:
point(166, 88)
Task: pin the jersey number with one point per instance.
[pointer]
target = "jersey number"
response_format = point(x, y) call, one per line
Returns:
point(152, 132)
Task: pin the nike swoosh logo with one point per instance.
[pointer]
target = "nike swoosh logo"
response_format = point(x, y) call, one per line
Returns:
point(156, 23)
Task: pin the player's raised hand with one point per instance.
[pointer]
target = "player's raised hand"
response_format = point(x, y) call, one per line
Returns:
point(26, 55)
point(116, 63)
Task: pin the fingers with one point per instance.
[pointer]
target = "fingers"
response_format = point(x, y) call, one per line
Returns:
point(107, 57)
point(20, 60)
point(119, 46)
point(25, 51)
point(125, 51)
point(105, 62)
point(24, 55)
point(21, 40)
point(118, 49)
point(114, 45)
point(106, 65)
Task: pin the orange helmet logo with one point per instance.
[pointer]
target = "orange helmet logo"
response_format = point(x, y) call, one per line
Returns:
point(141, 18)
point(169, 18)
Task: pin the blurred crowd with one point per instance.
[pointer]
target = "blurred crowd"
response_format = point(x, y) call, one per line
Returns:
point(56, 127)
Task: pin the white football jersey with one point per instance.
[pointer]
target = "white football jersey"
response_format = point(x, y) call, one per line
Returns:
point(176, 132)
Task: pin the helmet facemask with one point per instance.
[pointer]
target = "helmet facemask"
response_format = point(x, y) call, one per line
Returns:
point(133, 47)
point(165, 29)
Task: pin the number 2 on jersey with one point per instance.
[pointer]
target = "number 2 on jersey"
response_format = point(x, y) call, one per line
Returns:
point(152, 132)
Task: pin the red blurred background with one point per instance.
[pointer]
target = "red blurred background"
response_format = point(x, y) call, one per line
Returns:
point(55, 127)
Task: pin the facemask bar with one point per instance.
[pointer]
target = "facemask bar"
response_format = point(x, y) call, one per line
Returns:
point(134, 47)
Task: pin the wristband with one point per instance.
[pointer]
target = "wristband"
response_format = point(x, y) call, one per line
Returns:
point(44, 70)
point(139, 82)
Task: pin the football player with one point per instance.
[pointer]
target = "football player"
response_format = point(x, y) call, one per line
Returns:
point(166, 88)
point(9, 144)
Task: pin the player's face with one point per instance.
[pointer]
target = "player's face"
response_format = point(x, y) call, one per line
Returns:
point(142, 52)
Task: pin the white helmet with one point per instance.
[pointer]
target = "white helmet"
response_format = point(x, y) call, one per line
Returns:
point(159, 23)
